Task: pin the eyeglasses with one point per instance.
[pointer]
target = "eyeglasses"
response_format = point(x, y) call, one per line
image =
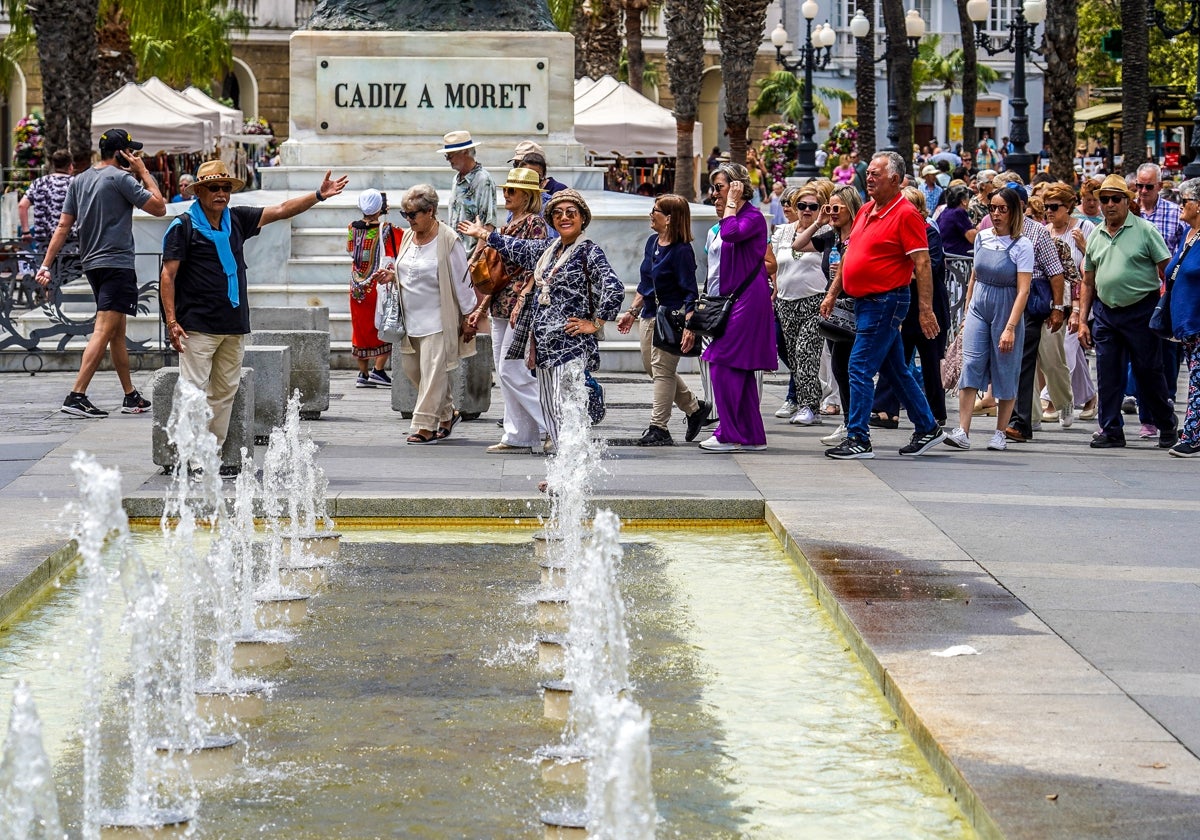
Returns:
point(998, 208)
point(564, 213)
point(657, 210)
point(216, 188)
point(807, 206)
point(1110, 199)
point(1141, 186)
point(1053, 208)
point(1183, 201)
point(410, 215)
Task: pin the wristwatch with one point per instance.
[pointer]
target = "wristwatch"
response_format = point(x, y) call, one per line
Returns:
point(1062, 307)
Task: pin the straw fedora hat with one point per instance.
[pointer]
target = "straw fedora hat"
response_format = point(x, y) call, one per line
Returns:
point(456, 141)
point(523, 179)
point(1115, 183)
point(213, 170)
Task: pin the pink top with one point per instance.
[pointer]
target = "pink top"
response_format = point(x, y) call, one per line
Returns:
point(843, 174)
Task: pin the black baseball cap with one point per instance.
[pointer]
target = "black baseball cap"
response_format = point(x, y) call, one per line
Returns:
point(116, 140)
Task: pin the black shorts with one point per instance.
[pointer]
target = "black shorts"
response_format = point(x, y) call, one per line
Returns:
point(116, 289)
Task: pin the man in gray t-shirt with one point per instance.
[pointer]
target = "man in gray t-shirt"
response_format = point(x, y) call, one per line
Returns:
point(101, 200)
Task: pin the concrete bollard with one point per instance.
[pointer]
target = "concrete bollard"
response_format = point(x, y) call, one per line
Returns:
point(272, 366)
point(470, 383)
point(282, 318)
point(310, 365)
point(241, 422)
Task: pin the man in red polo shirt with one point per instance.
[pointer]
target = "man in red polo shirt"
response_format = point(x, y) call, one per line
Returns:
point(885, 246)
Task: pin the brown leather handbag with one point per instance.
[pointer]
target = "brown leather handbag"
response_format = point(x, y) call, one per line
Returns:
point(488, 274)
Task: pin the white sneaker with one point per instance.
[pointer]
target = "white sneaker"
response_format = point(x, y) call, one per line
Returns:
point(838, 435)
point(786, 410)
point(805, 417)
point(999, 441)
point(958, 439)
point(1066, 417)
point(714, 445)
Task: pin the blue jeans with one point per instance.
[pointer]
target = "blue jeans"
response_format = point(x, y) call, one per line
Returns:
point(878, 347)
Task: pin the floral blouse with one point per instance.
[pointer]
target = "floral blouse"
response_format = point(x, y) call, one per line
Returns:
point(567, 290)
point(532, 226)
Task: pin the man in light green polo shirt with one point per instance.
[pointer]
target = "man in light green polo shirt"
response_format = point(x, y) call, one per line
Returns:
point(1122, 270)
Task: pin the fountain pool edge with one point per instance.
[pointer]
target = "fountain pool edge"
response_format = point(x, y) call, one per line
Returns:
point(645, 512)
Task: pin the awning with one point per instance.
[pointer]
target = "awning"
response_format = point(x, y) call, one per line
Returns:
point(1093, 114)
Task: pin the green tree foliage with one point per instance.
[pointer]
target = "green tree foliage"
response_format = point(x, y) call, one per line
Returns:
point(782, 93)
point(1172, 61)
point(181, 41)
point(932, 69)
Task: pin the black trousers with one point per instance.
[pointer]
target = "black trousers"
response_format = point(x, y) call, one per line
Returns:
point(839, 361)
point(930, 351)
point(1123, 338)
point(1022, 416)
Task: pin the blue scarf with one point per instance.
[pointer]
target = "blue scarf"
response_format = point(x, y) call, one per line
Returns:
point(220, 239)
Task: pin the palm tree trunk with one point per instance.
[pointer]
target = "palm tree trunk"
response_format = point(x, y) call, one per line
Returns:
point(970, 78)
point(597, 39)
point(115, 62)
point(899, 63)
point(685, 65)
point(633, 41)
point(1135, 83)
point(740, 34)
point(66, 35)
point(1062, 65)
point(864, 84)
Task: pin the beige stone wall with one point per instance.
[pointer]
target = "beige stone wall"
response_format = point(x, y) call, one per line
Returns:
point(270, 63)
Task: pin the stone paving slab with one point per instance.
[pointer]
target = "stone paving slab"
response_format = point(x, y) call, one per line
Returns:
point(1073, 573)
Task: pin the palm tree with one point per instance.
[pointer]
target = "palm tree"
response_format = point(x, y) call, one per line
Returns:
point(864, 83)
point(782, 93)
point(1062, 70)
point(66, 49)
point(1135, 83)
point(899, 63)
point(633, 40)
point(685, 64)
point(945, 72)
point(740, 34)
point(970, 76)
point(597, 31)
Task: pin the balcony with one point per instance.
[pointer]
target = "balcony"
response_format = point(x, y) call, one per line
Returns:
point(654, 24)
point(275, 14)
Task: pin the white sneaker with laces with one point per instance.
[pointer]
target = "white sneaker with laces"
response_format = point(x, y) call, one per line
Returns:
point(837, 436)
point(958, 439)
point(805, 417)
point(999, 442)
point(1066, 417)
point(714, 445)
point(786, 410)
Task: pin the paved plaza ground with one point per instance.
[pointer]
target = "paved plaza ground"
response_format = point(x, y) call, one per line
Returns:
point(1074, 573)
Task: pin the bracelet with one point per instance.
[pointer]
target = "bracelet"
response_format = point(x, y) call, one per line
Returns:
point(1009, 327)
point(44, 268)
point(318, 194)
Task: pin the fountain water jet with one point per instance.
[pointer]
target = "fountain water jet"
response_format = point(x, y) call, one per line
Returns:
point(28, 801)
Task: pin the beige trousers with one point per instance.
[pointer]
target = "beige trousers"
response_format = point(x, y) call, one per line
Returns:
point(426, 370)
point(1052, 361)
point(669, 387)
point(213, 363)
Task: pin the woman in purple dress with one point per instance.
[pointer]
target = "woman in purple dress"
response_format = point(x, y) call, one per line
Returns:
point(739, 248)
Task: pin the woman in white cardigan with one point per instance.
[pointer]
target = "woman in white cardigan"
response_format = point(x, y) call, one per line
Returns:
point(436, 295)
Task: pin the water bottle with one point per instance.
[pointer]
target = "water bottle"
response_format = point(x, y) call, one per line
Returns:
point(835, 256)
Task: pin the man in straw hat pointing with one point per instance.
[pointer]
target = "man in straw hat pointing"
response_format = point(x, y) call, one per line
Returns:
point(203, 283)
point(101, 199)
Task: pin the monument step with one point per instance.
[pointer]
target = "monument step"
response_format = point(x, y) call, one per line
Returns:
point(395, 180)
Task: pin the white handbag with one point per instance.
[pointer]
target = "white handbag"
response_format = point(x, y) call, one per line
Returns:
point(389, 314)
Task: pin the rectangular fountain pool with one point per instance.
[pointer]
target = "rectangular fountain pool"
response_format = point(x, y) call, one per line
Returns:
point(408, 705)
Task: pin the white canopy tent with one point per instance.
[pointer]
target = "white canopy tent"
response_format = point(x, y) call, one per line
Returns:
point(232, 119)
point(175, 100)
point(611, 117)
point(158, 127)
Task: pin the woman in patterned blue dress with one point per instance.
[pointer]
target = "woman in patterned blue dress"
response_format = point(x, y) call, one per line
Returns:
point(575, 291)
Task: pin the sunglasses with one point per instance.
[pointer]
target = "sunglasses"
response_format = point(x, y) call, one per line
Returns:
point(1110, 199)
point(564, 213)
point(806, 206)
point(410, 215)
point(216, 188)
point(716, 188)
point(998, 208)
point(1145, 186)
point(1053, 208)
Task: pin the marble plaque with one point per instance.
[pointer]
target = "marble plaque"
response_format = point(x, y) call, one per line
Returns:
point(408, 96)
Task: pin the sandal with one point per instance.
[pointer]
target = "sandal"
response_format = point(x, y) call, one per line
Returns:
point(443, 432)
point(831, 410)
point(882, 421)
point(418, 439)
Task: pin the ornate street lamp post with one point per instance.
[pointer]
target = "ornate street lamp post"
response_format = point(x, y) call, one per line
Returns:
point(914, 30)
point(1020, 43)
point(819, 40)
point(1191, 26)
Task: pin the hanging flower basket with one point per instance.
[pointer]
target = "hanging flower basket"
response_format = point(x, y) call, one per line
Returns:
point(781, 144)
